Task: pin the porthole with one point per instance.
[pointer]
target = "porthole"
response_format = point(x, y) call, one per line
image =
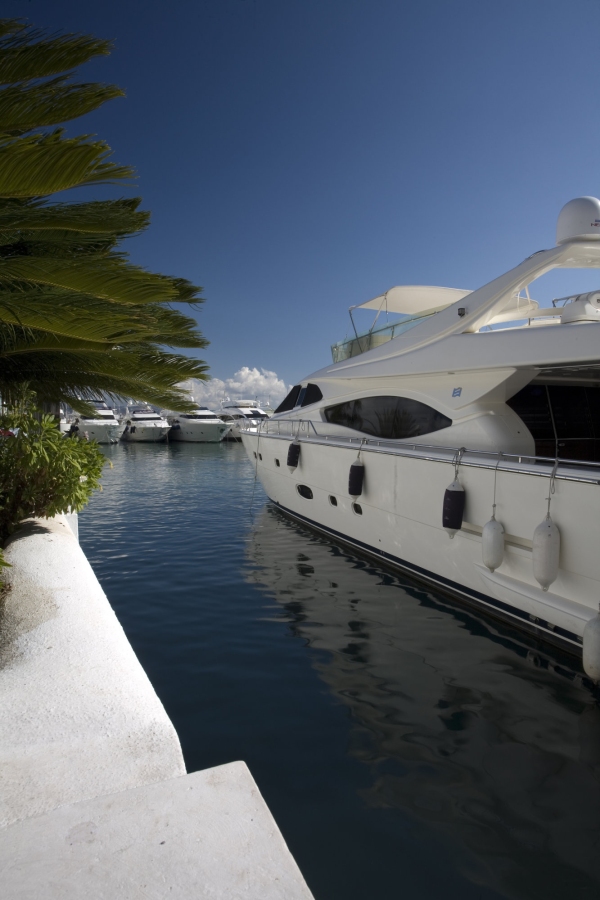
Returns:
point(333, 500)
point(357, 509)
point(304, 491)
point(277, 463)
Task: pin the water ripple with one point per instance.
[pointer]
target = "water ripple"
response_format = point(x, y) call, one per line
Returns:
point(406, 746)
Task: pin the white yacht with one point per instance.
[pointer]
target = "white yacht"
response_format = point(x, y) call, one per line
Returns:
point(103, 426)
point(235, 412)
point(142, 423)
point(463, 446)
point(200, 426)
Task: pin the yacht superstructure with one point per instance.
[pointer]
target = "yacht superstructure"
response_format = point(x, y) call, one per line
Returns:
point(233, 413)
point(200, 426)
point(145, 425)
point(464, 446)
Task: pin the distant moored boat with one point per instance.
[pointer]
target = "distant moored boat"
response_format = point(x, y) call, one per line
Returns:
point(143, 424)
point(200, 426)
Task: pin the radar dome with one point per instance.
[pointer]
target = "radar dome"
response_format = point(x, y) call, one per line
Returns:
point(579, 220)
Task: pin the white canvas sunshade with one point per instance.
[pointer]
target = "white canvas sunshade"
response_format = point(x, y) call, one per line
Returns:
point(409, 299)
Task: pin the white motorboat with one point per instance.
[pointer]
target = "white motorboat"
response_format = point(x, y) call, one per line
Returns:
point(103, 426)
point(463, 445)
point(144, 424)
point(235, 412)
point(200, 426)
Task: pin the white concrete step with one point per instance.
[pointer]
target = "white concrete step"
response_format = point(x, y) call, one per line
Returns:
point(205, 835)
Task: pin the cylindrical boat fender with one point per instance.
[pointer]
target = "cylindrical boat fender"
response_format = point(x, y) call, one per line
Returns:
point(492, 544)
point(591, 648)
point(293, 455)
point(546, 552)
point(453, 508)
point(356, 478)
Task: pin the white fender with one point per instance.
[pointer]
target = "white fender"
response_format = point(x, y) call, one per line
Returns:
point(591, 648)
point(492, 544)
point(546, 552)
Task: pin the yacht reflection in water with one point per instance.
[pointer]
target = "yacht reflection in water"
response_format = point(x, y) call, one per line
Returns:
point(485, 742)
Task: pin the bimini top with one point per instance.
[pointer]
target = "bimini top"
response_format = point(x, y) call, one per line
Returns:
point(410, 299)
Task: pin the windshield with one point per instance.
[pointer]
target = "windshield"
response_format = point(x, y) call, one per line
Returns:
point(199, 416)
point(99, 415)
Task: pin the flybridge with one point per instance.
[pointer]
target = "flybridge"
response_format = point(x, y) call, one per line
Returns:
point(504, 302)
point(413, 302)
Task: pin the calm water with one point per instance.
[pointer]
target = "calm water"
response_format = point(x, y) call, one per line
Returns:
point(407, 748)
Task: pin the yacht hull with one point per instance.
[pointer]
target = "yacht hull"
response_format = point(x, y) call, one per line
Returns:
point(148, 433)
point(102, 432)
point(401, 524)
point(199, 432)
point(234, 433)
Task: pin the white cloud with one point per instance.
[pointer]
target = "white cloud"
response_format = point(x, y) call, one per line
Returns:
point(246, 384)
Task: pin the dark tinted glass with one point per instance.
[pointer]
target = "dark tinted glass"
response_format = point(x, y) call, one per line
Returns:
point(312, 394)
point(564, 420)
point(290, 400)
point(571, 411)
point(388, 417)
point(533, 407)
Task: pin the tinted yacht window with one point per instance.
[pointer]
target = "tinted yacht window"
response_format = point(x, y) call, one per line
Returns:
point(564, 420)
point(312, 394)
point(388, 417)
point(290, 400)
point(533, 406)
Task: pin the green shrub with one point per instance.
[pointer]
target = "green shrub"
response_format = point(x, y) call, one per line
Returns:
point(42, 472)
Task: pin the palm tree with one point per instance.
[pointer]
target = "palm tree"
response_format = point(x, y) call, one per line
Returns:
point(77, 318)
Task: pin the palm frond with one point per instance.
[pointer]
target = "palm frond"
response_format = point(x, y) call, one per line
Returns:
point(24, 107)
point(77, 319)
point(115, 217)
point(66, 314)
point(25, 54)
point(74, 316)
point(57, 244)
point(109, 278)
point(45, 163)
point(151, 376)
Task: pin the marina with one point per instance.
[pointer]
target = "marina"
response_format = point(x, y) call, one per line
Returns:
point(147, 425)
point(297, 604)
point(385, 724)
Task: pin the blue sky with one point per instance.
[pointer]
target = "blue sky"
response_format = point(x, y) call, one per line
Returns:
point(302, 156)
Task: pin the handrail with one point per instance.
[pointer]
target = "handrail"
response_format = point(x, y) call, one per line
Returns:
point(520, 463)
point(390, 329)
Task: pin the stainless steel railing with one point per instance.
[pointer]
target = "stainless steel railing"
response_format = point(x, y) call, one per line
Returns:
point(307, 430)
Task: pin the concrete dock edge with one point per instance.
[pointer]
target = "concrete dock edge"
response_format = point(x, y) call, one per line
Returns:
point(92, 778)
